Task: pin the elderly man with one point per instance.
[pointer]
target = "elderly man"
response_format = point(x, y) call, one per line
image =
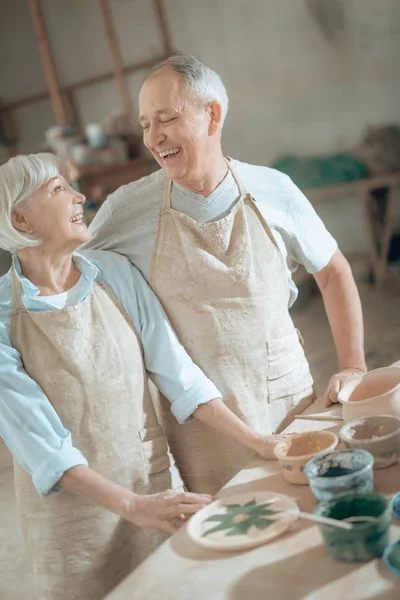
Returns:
point(218, 240)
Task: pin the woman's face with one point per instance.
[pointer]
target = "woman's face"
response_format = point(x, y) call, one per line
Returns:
point(54, 215)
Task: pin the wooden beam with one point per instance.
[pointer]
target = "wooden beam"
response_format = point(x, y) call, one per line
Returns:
point(116, 58)
point(48, 63)
point(158, 7)
point(83, 83)
point(74, 112)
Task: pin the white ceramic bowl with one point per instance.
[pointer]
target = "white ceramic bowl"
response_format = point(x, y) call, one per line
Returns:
point(375, 393)
point(294, 453)
point(379, 435)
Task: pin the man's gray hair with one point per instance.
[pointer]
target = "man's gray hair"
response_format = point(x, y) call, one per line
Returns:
point(20, 177)
point(203, 81)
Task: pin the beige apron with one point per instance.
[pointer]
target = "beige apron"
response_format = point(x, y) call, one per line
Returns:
point(225, 289)
point(88, 361)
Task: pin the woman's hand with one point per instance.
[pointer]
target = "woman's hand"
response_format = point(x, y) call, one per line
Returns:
point(267, 443)
point(166, 510)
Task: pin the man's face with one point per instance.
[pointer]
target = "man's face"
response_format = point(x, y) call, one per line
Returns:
point(175, 126)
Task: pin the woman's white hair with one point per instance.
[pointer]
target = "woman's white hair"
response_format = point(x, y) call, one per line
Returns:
point(201, 80)
point(20, 177)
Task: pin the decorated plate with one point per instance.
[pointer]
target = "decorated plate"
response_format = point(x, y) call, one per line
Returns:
point(242, 521)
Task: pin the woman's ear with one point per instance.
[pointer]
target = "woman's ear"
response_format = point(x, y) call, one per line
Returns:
point(20, 222)
point(215, 113)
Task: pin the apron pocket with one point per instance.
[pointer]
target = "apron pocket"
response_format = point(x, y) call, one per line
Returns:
point(288, 369)
point(155, 449)
point(284, 355)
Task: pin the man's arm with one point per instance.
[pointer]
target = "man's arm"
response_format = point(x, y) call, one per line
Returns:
point(343, 308)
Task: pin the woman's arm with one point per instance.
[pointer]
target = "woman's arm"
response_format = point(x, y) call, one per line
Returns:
point(182, 382)
point(158, 511)
point(34, 434)
point(30, 426)
point(218, 416)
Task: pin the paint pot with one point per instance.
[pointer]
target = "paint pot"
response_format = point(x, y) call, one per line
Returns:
point(367, 539)
point(340, 472)
point(375, 393)
point(379, 435)
point(294, 453)
point(396, 505)
point(391, 557)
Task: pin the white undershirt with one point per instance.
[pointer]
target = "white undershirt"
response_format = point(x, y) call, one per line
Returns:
point(69, 298)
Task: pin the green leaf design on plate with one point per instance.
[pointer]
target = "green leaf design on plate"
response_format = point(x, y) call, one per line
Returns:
point(238, 518)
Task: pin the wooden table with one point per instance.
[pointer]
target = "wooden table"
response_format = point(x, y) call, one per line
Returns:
point(379, 214)
point(292, 567)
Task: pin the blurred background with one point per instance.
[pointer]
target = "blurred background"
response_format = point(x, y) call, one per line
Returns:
point(314, 90)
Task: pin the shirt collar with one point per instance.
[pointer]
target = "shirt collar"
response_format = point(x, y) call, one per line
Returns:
point(86, 267)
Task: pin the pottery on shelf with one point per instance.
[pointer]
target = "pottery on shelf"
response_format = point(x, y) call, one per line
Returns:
point(294, 453)
point(367, 539)
point(340, 472)
point(375, 393)
point(379, 435)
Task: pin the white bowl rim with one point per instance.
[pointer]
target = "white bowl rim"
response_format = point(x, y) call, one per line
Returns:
point(365, 440)
point(346, 450)
point(301, 458)
point(355, 382)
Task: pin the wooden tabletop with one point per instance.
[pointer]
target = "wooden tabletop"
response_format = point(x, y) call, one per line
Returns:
point(292, 567)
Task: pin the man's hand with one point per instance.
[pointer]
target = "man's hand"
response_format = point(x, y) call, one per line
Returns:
point(339, 380)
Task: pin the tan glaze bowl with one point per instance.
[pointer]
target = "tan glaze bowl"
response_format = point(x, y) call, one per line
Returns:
point(295, 452)
point(379, 435)
point(375, 393)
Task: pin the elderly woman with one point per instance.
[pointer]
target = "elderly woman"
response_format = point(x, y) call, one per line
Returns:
point(77, 334)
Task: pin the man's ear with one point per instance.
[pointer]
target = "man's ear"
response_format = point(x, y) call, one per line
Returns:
point(215, 113)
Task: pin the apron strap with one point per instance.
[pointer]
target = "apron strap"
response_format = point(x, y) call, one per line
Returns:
point(16, 291)
point(242, 190)
point(167, 193)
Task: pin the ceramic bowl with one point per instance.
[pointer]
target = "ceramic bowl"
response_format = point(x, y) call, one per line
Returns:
point(339, 472)
point(391, 557)
point(295, 452)
point(375, 393)
point(368, 538)
point(378, 435)
point(396, 505)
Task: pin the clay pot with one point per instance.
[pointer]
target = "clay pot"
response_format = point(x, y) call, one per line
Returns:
point(375, 393)
point(294, 453)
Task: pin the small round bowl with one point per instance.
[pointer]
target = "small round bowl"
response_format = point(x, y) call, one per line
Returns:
point(396, 505)
point(295, 452)
point(378, 435)
point(339, 472)
point(391, 557)
point(367, 539)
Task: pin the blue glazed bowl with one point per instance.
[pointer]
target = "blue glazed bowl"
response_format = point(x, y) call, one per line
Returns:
point(340, 472)
point(396, 505)
point(391, 557)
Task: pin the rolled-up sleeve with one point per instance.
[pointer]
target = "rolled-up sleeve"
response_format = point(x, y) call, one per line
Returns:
point(167, 362)
point(30, 426)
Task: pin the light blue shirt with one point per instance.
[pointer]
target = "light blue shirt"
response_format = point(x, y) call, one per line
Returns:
point(29, 424)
